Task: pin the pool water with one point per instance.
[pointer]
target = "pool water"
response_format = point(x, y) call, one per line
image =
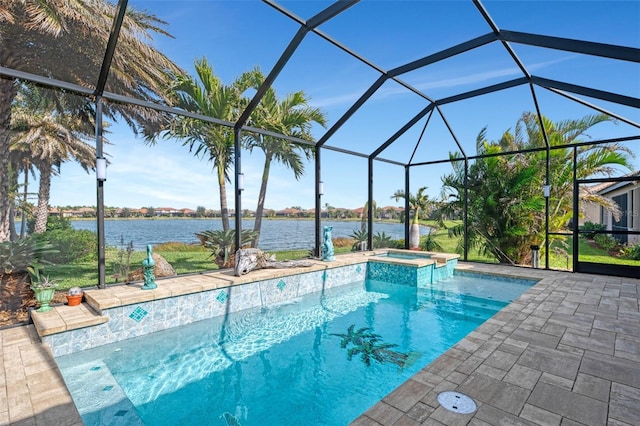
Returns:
point(322, 359)
point(402, 255)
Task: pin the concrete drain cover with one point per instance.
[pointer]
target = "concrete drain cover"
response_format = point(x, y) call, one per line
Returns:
point(457, 402)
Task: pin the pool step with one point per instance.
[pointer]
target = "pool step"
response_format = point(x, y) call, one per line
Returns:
point(468, 299)
point(478, 313)
point(463, 306)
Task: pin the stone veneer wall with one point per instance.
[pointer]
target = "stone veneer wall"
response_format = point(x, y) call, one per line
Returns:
point(135, 320)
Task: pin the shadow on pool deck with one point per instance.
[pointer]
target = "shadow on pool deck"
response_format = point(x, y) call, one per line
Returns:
point(566, 352)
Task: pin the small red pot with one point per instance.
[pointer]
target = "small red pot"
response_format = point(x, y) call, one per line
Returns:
point(74, 300)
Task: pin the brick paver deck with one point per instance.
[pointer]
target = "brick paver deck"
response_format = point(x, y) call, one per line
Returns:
point(567, 352)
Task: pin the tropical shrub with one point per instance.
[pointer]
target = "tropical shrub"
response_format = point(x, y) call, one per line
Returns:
point(428, 243)
point(382, 240)
point(590, 226)
point(70, 245)
point(27, 255)
point(606, 242)
point(223, 243)
point(359, 235)
point(53, 223)
point(632, 252)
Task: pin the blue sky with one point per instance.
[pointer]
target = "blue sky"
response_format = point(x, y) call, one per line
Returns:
point(235, 36)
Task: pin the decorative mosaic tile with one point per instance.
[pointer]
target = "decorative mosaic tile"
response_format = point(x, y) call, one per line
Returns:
point(107, 388)
point(398, 274)
point(121, 413)
point(96, 368)
point(324, 275)
point(138, 314)
point(222, 297)
point(281, 285)
point(358, 269)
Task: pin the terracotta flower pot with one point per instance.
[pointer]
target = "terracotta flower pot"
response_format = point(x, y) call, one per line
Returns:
point(74, 300)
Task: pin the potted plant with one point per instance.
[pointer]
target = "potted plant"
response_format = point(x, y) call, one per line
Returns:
point(74, 296)
point(44, 289)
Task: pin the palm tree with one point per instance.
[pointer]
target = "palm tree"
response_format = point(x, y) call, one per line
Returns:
point(420, 203)
point(50, 138)
point(505, 201)
point(292, 117)
point(36, 35)
point(20, 162)
point(209, 96)
point(330, 210)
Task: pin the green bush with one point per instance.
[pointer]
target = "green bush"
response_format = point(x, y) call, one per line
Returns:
point(632, 252)
point(590, 226)
point(429, 243)
point(606, 242)
point(382, 240)
point(53, 223)
point(71, 245)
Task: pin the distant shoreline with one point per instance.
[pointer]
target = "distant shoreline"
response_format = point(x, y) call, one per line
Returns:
point(231, 219)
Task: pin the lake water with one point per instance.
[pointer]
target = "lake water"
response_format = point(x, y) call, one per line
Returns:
point(277, 234)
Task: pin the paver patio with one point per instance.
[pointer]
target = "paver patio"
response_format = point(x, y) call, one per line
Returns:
point(567, 352)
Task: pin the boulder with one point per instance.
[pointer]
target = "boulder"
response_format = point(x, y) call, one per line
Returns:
point(161, 269)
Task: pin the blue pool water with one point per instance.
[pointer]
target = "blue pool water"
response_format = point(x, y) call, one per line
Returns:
point(401, 255)
point(283, 365)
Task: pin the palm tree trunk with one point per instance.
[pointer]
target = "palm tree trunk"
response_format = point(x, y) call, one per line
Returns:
point(8, 91)
point(224, 209)
point(257, 225)
point(23, 216)
point(13, 193)
point(42, 211)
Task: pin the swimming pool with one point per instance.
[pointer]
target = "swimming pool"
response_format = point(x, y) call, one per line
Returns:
point(287, 364)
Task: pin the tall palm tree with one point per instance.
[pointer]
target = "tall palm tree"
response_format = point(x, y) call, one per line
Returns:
point(50, 138)
point(292, 117)
point(207, 95)
point(37, 34)
point(420, 204)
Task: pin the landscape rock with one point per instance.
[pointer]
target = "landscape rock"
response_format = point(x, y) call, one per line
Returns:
point(162, 269)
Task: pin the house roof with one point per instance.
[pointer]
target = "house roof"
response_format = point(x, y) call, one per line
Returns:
point(606, 187)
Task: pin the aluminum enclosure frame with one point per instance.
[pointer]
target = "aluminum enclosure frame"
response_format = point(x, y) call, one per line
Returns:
point(496, 35)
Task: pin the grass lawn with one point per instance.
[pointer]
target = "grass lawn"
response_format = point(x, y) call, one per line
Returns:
point(187, 259)
point(85, 274)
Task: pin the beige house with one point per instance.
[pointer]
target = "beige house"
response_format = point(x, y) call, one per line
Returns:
point(627, 196)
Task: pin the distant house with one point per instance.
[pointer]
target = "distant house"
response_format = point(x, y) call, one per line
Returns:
point(288, 213)
point(167, 211)
point(627, 196)
point(359, 211)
